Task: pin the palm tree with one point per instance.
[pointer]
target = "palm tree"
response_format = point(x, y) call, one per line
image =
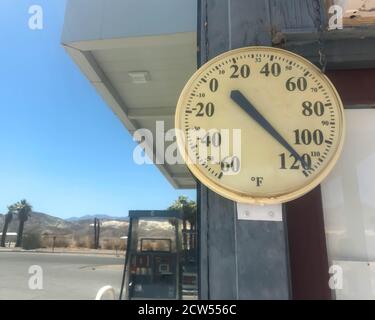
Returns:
point(7, 221)
point(24, 210)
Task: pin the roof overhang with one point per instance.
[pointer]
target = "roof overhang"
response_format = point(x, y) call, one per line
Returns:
point(107, 45)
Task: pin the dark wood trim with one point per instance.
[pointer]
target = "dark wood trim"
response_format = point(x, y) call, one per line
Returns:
point(307, 247)
point(356, 86)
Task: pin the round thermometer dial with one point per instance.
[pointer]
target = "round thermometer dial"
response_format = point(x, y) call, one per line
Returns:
point(260, 125)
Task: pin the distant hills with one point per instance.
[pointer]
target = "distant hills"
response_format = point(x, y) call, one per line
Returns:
point(100, 216)
point(42, 223)
point(78, 232)
point(74, 228)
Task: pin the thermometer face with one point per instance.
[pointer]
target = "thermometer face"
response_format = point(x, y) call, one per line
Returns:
point(260, 125)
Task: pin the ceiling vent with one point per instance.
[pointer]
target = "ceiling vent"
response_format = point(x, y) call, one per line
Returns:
point(139, 76)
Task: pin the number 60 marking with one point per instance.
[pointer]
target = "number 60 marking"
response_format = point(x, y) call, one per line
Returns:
point(230, 165)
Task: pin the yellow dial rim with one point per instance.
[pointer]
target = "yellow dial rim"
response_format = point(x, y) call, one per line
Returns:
point(297, 100)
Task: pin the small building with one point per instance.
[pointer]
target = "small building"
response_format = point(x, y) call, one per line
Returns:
point(11, 238)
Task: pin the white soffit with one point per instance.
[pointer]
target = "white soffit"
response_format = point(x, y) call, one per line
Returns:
point(169, 59)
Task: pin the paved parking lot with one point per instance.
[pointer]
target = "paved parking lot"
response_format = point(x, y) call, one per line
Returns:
point(65, 276)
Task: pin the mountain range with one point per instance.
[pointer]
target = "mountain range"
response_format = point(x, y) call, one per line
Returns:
point(99, 216)
point(76, 228)
point(79, 232)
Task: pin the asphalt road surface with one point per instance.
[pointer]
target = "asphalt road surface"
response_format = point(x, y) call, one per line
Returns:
point(65, 276)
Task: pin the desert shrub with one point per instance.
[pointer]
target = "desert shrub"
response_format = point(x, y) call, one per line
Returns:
point(113, 244)
point(83, 242)
point(31, 241)
point(79, 243)
point(109, 244)
point(61, 243)
point(45, 242)
point(122, 245)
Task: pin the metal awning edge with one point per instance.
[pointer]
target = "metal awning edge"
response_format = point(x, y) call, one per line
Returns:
point(87, 64)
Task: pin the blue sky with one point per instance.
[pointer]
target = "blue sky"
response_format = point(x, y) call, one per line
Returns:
point(62, 148)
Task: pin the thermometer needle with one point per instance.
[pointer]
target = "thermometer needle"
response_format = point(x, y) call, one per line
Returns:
point(245, 105)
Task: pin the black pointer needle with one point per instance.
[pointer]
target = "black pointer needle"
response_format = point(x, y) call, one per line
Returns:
point(239, 98)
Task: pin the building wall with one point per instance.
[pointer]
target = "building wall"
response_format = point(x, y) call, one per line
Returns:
point(349, 209)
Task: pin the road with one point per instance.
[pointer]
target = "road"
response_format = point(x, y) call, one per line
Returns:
point(65, 276)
